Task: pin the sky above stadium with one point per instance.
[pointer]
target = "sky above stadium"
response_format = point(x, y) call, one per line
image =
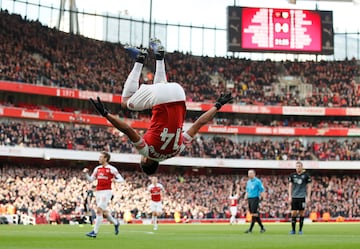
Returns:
point(207, 13)
point(213, 12)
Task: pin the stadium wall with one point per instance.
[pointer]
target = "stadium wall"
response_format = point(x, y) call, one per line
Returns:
point(61, 154)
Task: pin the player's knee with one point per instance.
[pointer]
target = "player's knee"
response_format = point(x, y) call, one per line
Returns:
point(99, 211)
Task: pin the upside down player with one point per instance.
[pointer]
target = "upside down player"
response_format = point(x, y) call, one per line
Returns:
point(155, 189)
point(165, 137)
point(104, 174)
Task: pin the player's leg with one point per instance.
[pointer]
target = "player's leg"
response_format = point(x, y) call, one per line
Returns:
point(293, 221)
point(132, 82)
point(253, 213)
point(110, 218)
point(294, 211)
point(153, 213)
point(158, 213)
point(102, 199)
point(148, 96)
point(107, 214)
point(233, 215)
point(159, 51)
point(99, 219)
point(301, 220)
point(154, 216)
point(257, 217)
point(114, 221)
point(99, 215)
point(301, 215)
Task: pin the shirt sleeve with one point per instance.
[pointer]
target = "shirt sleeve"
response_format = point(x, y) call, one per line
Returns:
point(93, 175)
point(144, 150)
point(308, 178)
point(140, 144)
point(187, 139)
point(261, 187)
point(118, 177)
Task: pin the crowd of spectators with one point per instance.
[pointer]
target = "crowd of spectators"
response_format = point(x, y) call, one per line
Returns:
point(36, 54)
point(36, 191)
point(95, 138)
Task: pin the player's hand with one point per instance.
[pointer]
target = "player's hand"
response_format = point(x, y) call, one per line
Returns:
point(222, 100)
point(99, 107)
point(86, 170)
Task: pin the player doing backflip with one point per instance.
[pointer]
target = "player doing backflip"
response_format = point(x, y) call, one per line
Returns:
point(165, 137)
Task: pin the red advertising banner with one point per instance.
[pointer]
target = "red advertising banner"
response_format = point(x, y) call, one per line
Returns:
point(144, 124)
point(191, 106)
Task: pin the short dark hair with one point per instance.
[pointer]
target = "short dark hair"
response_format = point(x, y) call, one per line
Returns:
point(106, 155)
point(149, 167)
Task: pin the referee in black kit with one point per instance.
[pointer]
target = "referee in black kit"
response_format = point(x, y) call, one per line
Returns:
point(299, 195)
point(254, 188)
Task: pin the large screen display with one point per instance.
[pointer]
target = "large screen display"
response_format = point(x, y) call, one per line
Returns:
point(280, 30)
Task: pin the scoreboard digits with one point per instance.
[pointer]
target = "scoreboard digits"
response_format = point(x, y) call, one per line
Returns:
point(278, 30)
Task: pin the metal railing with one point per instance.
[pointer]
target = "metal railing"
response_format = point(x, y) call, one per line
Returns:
point(197, 40)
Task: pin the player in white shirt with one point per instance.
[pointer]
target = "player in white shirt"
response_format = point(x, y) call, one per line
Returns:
point(156, 190)
point(234, 199)
point(105, 174)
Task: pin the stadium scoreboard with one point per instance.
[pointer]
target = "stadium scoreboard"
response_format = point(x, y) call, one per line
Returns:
point(280, 30)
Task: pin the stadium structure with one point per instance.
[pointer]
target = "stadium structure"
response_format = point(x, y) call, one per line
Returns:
point(282, 112)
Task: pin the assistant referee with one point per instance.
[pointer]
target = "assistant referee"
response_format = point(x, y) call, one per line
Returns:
point(254, 189)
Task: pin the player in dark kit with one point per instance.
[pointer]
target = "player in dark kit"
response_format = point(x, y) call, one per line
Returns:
point(299, 195)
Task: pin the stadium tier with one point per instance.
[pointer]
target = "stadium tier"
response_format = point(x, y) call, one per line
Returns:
point(282, 112)
point(38, 191)
point(35, 54)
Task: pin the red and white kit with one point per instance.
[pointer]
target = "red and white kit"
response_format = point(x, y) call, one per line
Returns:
point(104, 177)
point(233, 204)
point(165, 137)
point(155, 192)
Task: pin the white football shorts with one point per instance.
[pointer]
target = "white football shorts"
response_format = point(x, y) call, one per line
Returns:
point(156, 206)
point(102, 198)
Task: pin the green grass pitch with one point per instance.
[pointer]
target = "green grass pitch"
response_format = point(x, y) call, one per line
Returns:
point(197, 236)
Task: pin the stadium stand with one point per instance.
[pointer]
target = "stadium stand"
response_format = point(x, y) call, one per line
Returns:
point(35, 54)
point(39, 191)
point(84, 137)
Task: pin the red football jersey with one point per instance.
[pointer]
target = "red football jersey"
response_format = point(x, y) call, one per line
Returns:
point(155, 191)
point(164, 136)
point(104, 176)
point(233, 201)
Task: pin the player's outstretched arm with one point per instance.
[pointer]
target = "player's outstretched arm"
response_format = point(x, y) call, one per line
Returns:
point(88, 177)
point(209, 115)
point(115, 121)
